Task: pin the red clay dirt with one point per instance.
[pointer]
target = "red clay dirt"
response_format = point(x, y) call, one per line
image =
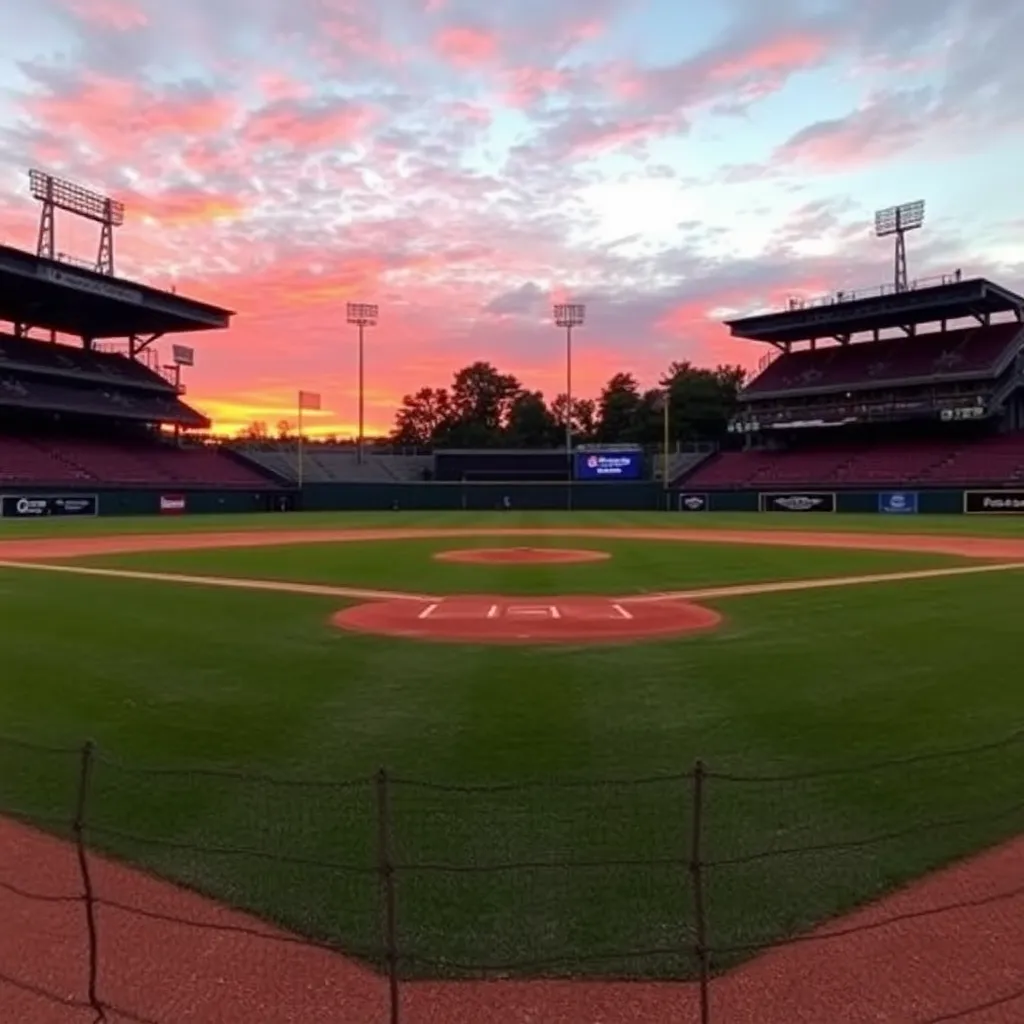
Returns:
point(28, 549)
point(483, 619)
point(521, 556)
point(937, 951)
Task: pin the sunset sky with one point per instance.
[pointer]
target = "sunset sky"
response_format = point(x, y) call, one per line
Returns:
point(465, 162)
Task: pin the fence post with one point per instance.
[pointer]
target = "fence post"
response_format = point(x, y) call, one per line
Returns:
point(386, 867)
point(697, 877)
point(78, 829)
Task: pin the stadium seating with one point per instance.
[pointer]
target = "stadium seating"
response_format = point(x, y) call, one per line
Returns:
point(870, 364)
point(23, 462)
point(927, 463)
point(140, 463)
point(137, 404)
point(325, 464)
point(32, 354)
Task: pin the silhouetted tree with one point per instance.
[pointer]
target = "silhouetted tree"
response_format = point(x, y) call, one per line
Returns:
point(703, 401)
point(423, 417)
point(530, 422)
point(617, 410)
point(481, 400)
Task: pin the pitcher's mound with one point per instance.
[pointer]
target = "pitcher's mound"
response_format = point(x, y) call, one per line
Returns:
point(519, 620)
point(521, 556)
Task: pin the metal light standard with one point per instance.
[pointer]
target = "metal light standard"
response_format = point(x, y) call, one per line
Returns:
point(569, 315)
point(362, 315)
point(897, 221)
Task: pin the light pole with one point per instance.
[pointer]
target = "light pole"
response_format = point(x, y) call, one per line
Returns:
point(897, 221)
point(362, 315)
point(569, 315)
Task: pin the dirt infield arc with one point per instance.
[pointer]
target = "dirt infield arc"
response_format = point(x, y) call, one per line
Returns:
point(521, 556)
point(500, 619)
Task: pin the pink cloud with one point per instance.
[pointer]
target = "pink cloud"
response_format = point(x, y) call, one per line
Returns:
point(309, 125)
point(466, 47)
point(117, 115)
point(873, 133)
point(122, 15)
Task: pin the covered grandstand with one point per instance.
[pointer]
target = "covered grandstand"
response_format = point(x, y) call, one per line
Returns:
point(73, 413)
point(923, 388)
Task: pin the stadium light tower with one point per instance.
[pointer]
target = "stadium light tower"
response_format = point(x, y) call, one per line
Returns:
point(569, 315)
point(361, 315)
point(897, 221)
point(58, 194)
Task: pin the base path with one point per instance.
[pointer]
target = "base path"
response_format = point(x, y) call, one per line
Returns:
point(522, 556)
point(510, 620)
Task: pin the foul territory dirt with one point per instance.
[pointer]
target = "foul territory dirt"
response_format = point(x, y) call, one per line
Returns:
point(521, 556)
point(498, 619)
point(948, 948)
point(80, 547)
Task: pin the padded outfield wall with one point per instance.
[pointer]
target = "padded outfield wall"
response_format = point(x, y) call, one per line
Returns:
point(33, 503)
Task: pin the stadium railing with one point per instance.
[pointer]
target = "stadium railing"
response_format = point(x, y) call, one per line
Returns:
point(417, 878)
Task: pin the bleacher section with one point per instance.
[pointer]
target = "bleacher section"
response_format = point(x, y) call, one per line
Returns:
point(62, 360)
point(933, 462)
point(43, 376)
point(79, 461)
point(972, 352)
point(324, 464)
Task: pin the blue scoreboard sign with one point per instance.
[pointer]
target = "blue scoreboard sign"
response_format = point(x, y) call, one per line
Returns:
point(621, 465)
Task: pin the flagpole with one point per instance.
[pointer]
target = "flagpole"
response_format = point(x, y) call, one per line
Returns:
point(300, 440)
point(665, 424)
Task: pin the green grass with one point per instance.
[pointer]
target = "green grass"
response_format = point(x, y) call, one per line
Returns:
point(990, 526)
point(635, 566)
point(161, 675)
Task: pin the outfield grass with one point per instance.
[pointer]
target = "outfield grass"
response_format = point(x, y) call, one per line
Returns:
point(956, 525)
point(161, 675)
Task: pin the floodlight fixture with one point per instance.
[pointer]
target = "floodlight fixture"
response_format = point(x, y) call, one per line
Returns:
point(60, 194)
point(66, 195)
point(895, 222)
point(362, 315)
point(893, 219)
point(569, 314)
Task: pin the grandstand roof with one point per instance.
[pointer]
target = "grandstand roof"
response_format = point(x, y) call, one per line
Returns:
point(55, 296)
point(846, 313)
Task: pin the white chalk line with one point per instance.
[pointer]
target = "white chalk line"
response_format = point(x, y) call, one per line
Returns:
point(235, 583)
point(360, 594)
point(783, 586)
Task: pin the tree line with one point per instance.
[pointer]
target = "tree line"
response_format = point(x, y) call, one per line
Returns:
point(484, 408)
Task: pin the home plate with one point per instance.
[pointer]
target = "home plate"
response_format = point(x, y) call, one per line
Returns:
point(488, 619)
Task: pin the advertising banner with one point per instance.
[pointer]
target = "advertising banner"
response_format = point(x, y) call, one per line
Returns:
point(1007, 503)
point(797, 501)
point(898, 502)
point(693, 503)
point(173, 503)
point(28, 506)
point(609, 465)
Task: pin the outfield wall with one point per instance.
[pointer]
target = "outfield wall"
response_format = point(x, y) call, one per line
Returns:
point(59, 502)
point(30, 503)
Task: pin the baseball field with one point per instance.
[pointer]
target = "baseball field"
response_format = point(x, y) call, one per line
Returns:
point(537, 689)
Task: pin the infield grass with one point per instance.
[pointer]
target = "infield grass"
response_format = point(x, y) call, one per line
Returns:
point(635, 566)
point(166, 676)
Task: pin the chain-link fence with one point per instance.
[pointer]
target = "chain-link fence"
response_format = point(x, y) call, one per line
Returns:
point(670, 877)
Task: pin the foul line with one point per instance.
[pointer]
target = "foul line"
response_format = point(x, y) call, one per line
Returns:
point(782, 586)
point(355, 593)
point(236, 583)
